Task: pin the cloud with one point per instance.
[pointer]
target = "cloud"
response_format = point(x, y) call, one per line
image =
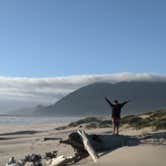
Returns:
point(50, 90)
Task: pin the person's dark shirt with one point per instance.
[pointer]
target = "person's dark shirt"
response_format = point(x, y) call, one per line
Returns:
point(116, 108)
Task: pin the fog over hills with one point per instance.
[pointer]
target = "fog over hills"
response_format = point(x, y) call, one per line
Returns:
point(89, 100)
point(81, 94)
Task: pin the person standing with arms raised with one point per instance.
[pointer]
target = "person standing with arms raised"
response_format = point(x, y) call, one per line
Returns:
point(116, 114)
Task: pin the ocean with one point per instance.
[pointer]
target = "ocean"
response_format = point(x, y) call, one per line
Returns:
point(21, 120)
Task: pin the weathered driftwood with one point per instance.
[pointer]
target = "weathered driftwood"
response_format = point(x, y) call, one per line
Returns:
point(57, 161)
point(60, 161)
point(12, 162)
point(88, 145)
point(75, 140)
point(50, 138)
point(82, 143)
point(29, 164)
point(50, 155)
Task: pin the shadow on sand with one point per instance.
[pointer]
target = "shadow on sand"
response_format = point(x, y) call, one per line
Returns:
point(110, 143)
point(19, 133)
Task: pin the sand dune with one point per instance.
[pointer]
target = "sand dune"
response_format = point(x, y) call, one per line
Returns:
point(143, 155)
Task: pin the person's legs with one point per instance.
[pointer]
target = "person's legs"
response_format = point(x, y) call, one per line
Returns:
point(114, 126)
point(117, 127)
point(114, 129)
point(117, 130)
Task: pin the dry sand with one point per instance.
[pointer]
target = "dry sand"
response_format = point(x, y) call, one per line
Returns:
point(142, 155)
point(19, 141)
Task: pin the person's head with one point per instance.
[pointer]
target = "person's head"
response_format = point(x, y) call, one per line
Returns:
point(116, 101)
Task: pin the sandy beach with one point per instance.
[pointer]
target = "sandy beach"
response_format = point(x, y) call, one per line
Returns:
point(18, 141)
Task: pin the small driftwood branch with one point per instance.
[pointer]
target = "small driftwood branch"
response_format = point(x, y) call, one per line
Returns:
point(58, 161)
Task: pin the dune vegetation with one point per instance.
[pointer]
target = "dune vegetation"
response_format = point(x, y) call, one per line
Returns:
point(155, 119)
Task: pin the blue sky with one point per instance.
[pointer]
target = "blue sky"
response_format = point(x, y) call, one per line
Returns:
point(47, 38)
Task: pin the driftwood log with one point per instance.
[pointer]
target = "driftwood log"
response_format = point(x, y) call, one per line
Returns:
point(87, 145)
point(83, 143)
point(58, 161)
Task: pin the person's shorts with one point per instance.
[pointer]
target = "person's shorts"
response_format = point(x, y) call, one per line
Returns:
point(116, 121)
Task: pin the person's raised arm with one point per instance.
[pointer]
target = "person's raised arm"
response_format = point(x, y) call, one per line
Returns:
point(108, 101)
point(124, 103)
